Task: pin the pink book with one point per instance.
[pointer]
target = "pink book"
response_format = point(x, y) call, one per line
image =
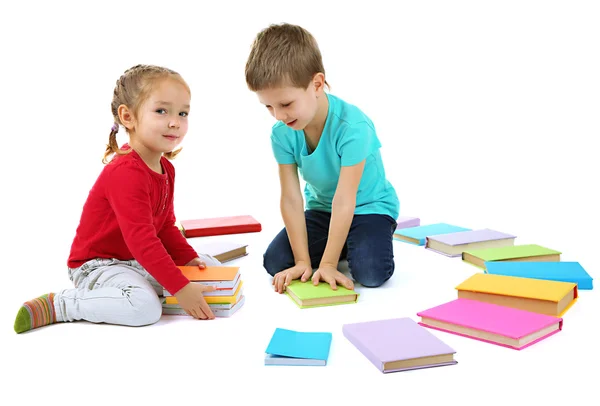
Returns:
point(504, 326)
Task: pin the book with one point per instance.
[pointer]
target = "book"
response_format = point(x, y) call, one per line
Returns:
point(491, 323)
point(289, 347)
point(224, 278)
point(407, 222)
point(552, 271)
point(215, 299)
point(306, 294)
point(223, 251)
point(527, 252)
point(218, 310)
point(417, 235)
point(205, 227)
point(398, 344)
point(453, 244)
point(535, 295)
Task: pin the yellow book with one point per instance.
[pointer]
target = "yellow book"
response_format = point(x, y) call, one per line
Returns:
point(214, 299)
point(535, 295)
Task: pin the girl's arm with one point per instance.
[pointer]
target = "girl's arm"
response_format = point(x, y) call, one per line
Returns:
point(342, 213)
point(175, 243)
point(292, 211)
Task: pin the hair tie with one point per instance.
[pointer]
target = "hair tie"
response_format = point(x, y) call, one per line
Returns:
point(115, 128)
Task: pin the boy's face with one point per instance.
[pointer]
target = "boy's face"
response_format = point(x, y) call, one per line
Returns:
point(294, 106)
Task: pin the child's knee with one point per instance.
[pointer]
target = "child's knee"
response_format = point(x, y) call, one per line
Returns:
point(371, 272)
point(275, 261)
point(146, 307)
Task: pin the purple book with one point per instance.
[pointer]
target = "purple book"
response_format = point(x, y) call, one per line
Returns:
point(453, 244)
point(399, 344)
point(407, 222)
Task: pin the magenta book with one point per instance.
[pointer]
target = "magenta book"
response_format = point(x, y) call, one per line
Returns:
point(505, 326)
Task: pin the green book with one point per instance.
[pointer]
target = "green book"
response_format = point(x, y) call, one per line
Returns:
point(305, 294)
point(528, 252)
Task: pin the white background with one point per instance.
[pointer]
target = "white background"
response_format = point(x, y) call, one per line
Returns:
point(488, 116)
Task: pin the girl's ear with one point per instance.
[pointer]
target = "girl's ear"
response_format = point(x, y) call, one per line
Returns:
point(126, 117)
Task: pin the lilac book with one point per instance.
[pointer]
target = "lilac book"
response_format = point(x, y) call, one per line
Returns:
point(399, 344)
point(453, 244)
point(407, 222)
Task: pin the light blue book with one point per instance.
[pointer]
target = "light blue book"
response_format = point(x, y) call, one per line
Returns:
point(553, 271)
point(289, 347)
point(418, 235)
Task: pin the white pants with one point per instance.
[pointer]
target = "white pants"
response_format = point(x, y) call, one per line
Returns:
point(113, 291)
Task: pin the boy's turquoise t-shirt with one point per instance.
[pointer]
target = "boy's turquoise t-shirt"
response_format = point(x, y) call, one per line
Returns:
point(348, 138)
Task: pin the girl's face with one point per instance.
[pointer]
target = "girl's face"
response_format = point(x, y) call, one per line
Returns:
point(162, 120)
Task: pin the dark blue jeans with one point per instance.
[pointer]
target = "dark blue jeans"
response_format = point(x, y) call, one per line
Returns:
point(368, 248)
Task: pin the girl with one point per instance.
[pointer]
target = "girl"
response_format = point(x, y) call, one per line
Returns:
point(350, 205)
point(127, 247)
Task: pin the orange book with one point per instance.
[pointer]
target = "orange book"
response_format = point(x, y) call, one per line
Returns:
point(222, 276)
point(214, 299)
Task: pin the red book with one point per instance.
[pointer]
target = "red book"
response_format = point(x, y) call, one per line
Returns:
point(220, 226)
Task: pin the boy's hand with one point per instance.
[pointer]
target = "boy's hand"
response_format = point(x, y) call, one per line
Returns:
point(196, 261)
point(191, 299)
point(285, 277)
point(329, 273)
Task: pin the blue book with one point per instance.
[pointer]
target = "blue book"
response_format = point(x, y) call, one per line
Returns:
point(288, 347)
point(553, 271)
point(418, 235)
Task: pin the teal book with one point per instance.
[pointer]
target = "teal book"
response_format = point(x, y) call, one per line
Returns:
point(418, 235)
point(553, 271)
point(289, 347)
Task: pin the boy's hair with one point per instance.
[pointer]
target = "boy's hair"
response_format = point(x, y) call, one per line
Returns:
point(132, 89)
point(283, 55)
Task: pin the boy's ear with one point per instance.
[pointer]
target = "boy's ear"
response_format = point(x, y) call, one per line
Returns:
point(319, 82)
point(126, 117)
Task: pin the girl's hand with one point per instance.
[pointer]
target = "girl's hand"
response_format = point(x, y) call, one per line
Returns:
point(285, 277)
point(191, 299)
point(329, 273)
point(196, 261)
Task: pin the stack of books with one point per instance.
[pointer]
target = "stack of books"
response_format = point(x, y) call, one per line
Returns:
point(228, 297)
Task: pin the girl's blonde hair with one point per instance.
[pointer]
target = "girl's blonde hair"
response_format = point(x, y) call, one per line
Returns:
point(132, 89)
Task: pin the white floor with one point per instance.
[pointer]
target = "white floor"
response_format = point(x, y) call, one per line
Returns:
point(487, 113)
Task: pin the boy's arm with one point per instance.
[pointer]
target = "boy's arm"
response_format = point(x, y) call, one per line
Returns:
point(342, 212)
point(292, 211)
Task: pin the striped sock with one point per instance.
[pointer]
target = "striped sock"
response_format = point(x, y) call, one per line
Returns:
point(36, 313)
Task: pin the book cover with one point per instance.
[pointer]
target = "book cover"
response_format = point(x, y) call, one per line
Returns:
point(289, 347)
point(526, 252)
point(453, 244)
point(398, 344)
point(537, 295)
point(553, 271)
point(218, 275)
point(417, 235)
point(306, 294)
point(220, 226)
point(215, 299)
point(487, 322)
point(407, 222)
